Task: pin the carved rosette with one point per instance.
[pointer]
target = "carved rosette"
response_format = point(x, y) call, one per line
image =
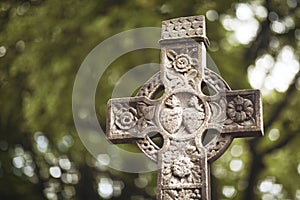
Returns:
point(240, 111)
point(181, 167)
point(182, 63)
point(124, 119)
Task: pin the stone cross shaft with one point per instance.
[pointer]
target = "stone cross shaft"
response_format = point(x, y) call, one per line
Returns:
point(196, 104)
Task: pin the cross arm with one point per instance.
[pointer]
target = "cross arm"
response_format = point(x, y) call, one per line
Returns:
point(129, 119)
point(242, 113)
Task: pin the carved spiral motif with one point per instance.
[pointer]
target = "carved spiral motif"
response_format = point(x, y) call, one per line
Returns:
point(240, 109)
point(125, 119)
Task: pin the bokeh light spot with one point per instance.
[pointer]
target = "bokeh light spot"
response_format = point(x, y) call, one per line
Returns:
point(274, 134)
point(18, 162)
point(2, 51)
point(212, 15)
point(64, 163)
point(55, 172)
point(244, 12)
point(229, 191)
point(105, 188)
point(236, 150)
point(292, 3)
point(236, 165)
point(266, 185)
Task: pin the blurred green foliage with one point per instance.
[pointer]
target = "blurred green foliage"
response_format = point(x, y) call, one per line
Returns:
point(43, 43)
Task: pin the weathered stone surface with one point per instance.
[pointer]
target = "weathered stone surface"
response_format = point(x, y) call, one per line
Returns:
point(184, 114)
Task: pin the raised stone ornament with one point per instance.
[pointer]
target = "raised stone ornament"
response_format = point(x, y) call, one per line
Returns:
point(184, 115)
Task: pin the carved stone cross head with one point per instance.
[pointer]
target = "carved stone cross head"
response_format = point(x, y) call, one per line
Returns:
point(184, 114)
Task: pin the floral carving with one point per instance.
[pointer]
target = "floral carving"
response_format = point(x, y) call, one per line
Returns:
point(182, 167)
point(182, 164)
point(240, 110)
point(125, 119)
point(183, 64)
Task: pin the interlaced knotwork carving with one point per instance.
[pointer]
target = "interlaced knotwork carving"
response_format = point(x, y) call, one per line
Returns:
point(151, 87)
point(149, 148)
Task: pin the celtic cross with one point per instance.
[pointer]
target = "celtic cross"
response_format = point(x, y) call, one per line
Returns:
point(185, 114)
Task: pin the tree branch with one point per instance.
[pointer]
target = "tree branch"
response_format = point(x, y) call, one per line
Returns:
point(280, 108)
point(262, 39)
point(281, 143)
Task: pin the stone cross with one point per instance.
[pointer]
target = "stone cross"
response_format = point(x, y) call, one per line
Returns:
point(195, 102)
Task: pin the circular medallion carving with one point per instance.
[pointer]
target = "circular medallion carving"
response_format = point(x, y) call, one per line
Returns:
point(186, 112)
